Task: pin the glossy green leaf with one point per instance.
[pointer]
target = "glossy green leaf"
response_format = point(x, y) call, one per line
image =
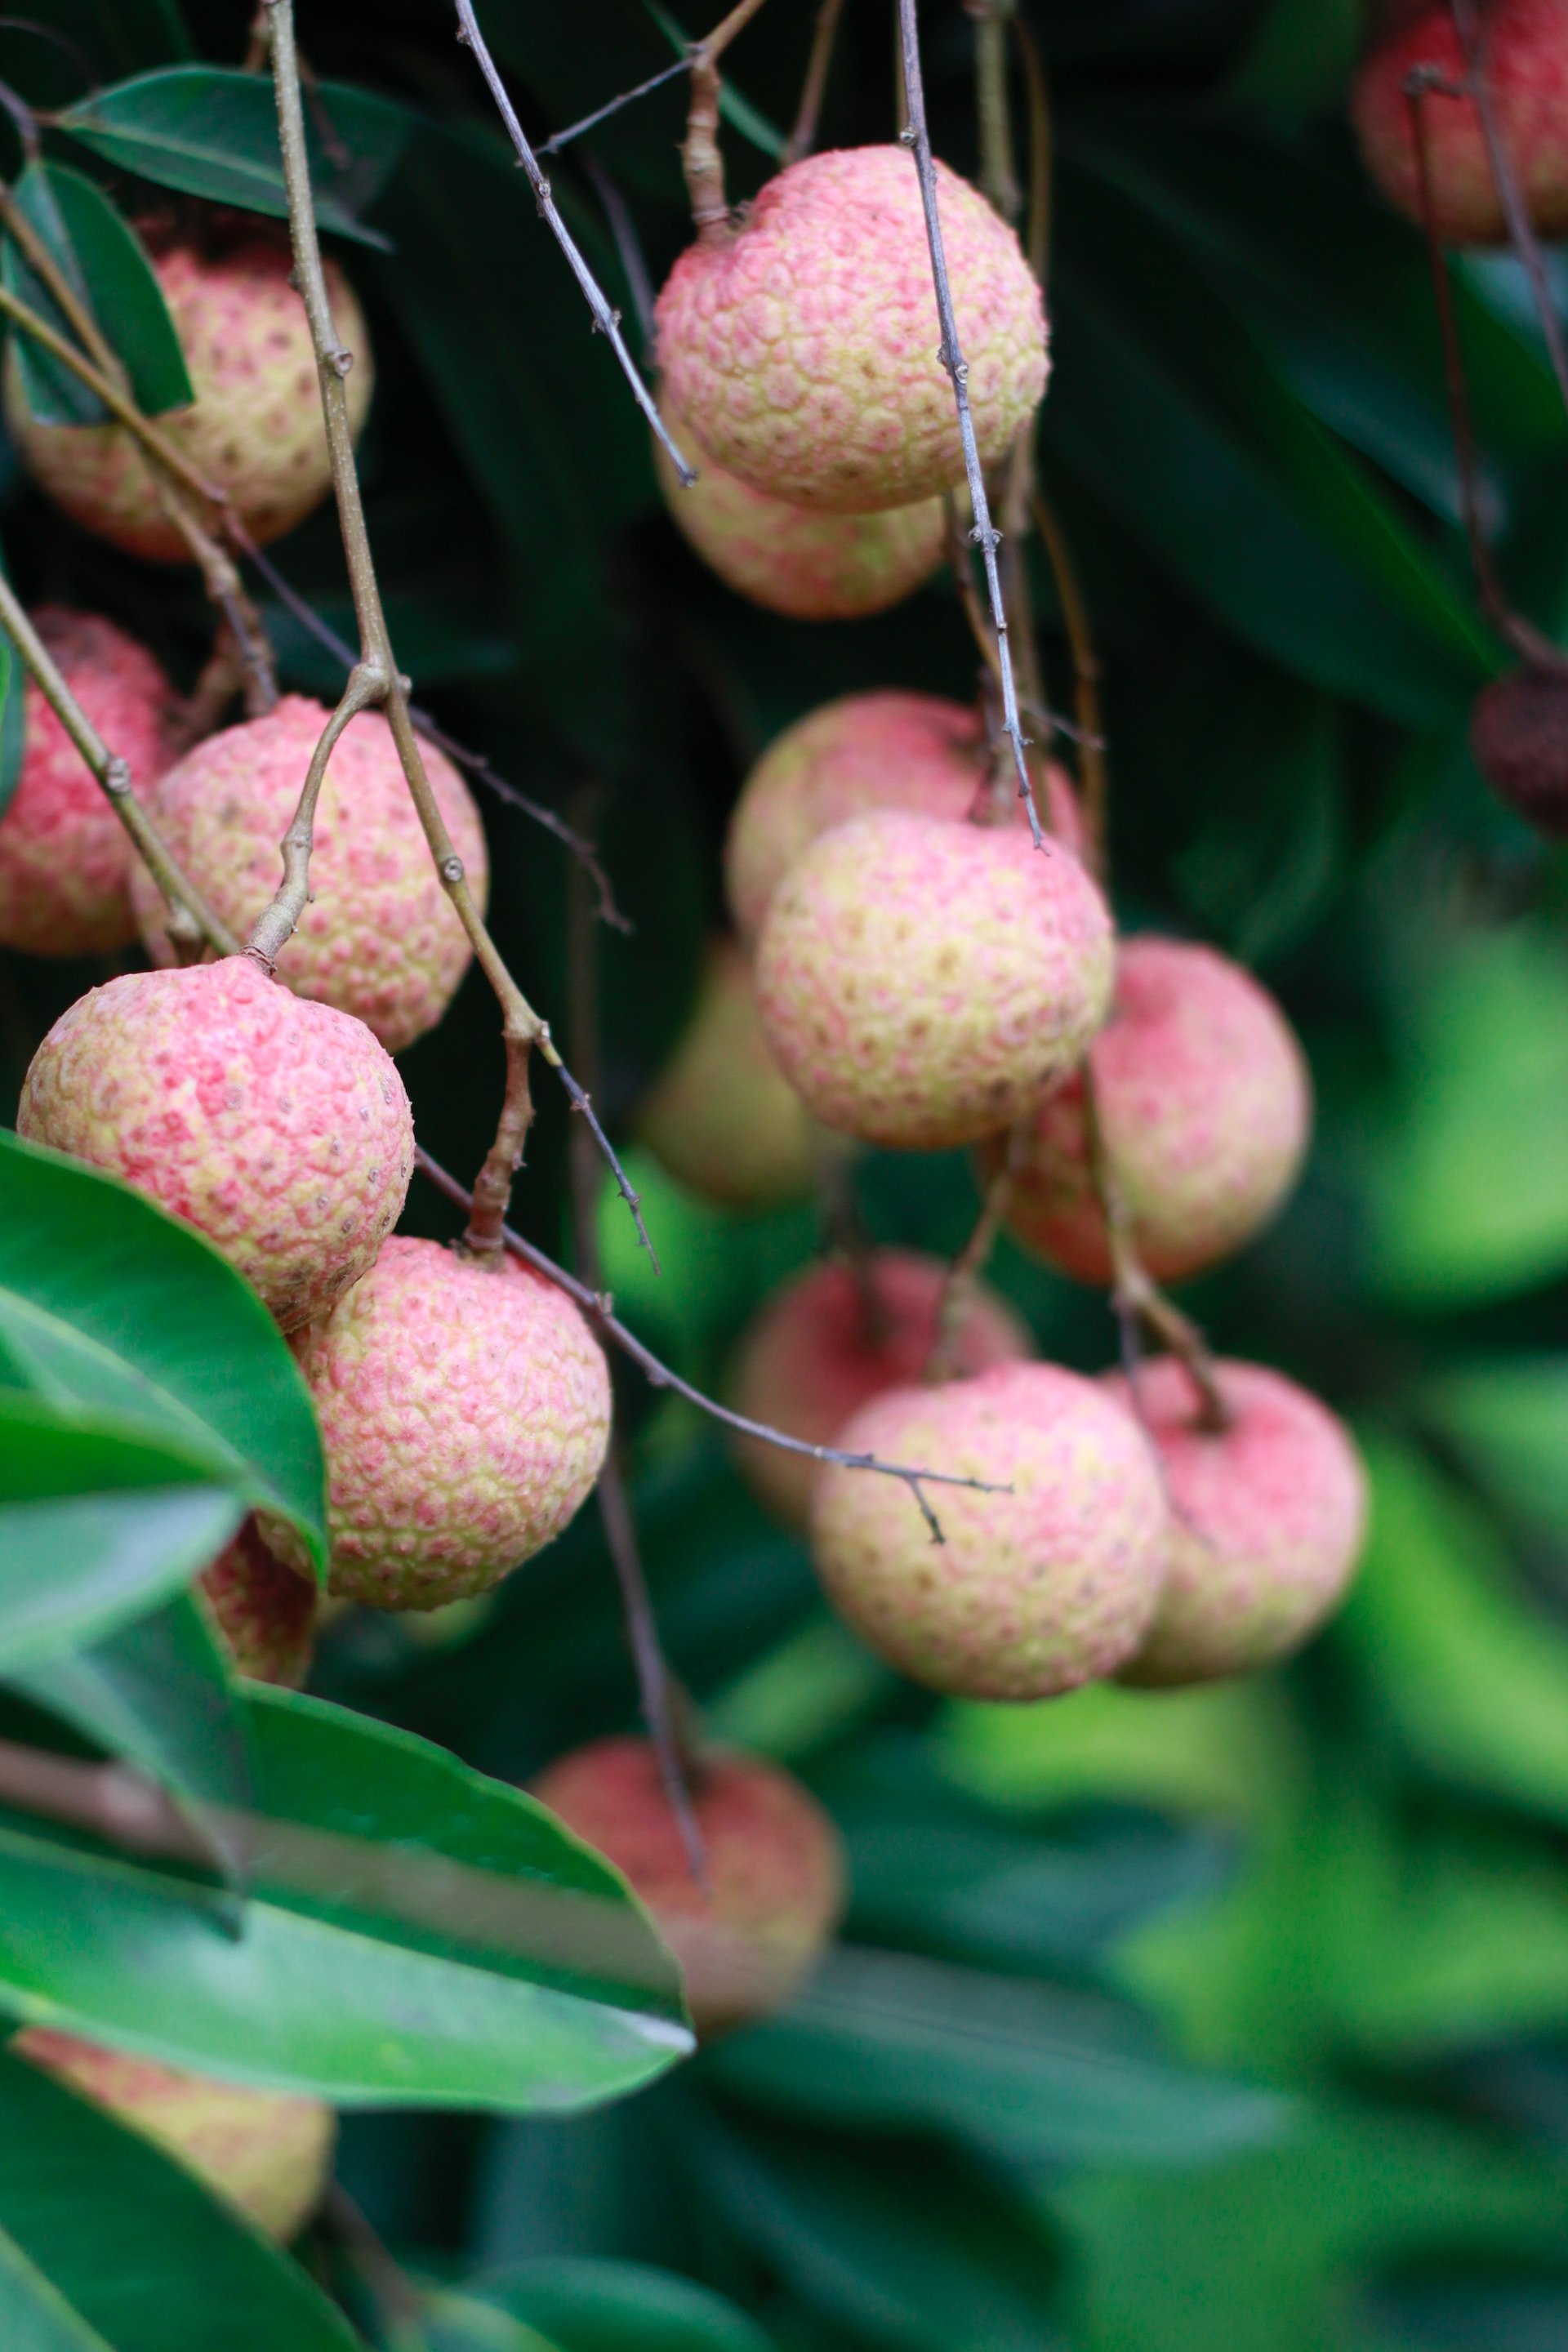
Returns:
point(1507, 1417)
point(103, 259)
point(212, 131)
point(34, 2315)
point(416, 1934)
point(145, 2254)
point(1035, 2073)
point(107, 1306)
point(610, 2306)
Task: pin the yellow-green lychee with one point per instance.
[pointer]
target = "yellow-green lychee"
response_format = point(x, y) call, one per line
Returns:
point(719, 1116)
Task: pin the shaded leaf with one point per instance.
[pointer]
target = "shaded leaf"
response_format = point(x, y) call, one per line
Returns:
point(1507, 1418)
point(103, 259)
point(34, 2316)
point(609, 2307)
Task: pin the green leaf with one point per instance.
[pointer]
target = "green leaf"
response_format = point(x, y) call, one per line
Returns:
point(34, 2316)
point(103, 259)
point(1301, 55)
point(416, 1935)
point(136, 2245)
point(611, 2306)
point(122, 36)
point(1507, 1420)
point(1036, 2074)
point(212, 131)
point(107, 1306)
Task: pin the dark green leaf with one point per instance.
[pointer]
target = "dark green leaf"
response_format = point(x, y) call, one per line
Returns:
point(121, 37)
point(136, 2245)
point(1301, 55)
point(601, 2306)
point(107, 1306)
point(210, 130)
point(34, 2316)
point(13, 722)
point(103, 257)
point(1507, 1418)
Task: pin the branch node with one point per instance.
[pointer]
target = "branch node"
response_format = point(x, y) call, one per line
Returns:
point(117, 779)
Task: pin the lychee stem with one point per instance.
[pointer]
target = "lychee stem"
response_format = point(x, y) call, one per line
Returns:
point(277, 925)
point(1094, 777)
point(963, 1276)
point(701, 159)
point(803, 138)
point(998, 174)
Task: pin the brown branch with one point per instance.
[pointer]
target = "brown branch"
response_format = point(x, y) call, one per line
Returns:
point(957, 1297)
point(982, 531)
point(604, 319)
point(1521, 229)
point(1038, 228)
point(803, 138)
point(1094, 773)
point(998, 174)
point(701, 158)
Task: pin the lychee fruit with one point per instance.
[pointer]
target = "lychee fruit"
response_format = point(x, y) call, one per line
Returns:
point(922, 984)
point(278, 1128)
point(833, 1339)
point(1205, 1106)
point(774, 1866)
point(797, 561)
point(380, 939)
point(1033, 1589)
point(801, 351)
point(263, 1613)
point(267, 2152)
point(719, 1116)
point(888, 750)
point(1519, 740)
point(254, 431)
point(1266, 1521)
point(65, 858)
point(465, 1410)
point(1524, 59)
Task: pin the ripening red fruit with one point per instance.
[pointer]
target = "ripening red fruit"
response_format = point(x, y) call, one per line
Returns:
point(263, 1613)
point(1524, 54)
point(836, 1337)
point(773, 1862)
point(1519, 740)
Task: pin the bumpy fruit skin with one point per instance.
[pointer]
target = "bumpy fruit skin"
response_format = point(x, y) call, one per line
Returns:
point(254, 429)
point(1519, 740)
point(1206, 1107)
point(1524, 47)
point(267, 2152)
point(465, 1410)
point(803, 353)
point(380, 939)
point(807, 565)
point(889, 749)
point(819, 1350)
point(922, 984)
point(719, 1116)
point(65, 858)
point(263, 1613)
point(1267, 1522)
point(773, 1859)
point(1031, 1592)
point(278, 1128)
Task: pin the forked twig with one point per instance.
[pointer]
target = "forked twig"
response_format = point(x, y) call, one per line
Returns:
point(1516, 211)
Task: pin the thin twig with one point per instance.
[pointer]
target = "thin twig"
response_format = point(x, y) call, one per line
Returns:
point(604, 319)
point(961, 563)
point(629, 247)
point(1038, 228)
point(998, 176)
point(956, 1299)
point(560, 139)
point(1516, 212)
point(278, 923)
point(844, 1230)
point(982, 531)
point(701, 158)
point(399, 2305)
point(598, 1307)
point(803, 138)
point(1094, 775)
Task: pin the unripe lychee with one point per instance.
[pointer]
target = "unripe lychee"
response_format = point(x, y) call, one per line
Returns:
point(278, 1128)
point(1032, 1592)
point(835, 1337)
point(1266, 1521)
point(254, 429)
point(1205, 1106)
point(1519, 740)
point(267, 2152)
point(1524, 58)
point(774, 1861)
point(797, 561)
point(465, 1410)
point(922, 984)
point(380, 939)
point(719, 1116)
point(801, 351)
point(888, 750)
point(65, 858)
point(263, 1613)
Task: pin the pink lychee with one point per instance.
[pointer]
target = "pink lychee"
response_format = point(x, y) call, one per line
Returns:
point(278, 1128)
point(1032, 1590)
point(255, 430)
point(887, 750)
point(802, 352)
point(267, 2152)
point(380, 939)
point(797, 560)
point(833, 1339)
point(1266, 1521)
point(465, 1410)
point(922, 984)
point(65, 858)
point(1524, 59)
point(719, 1116)
point(263, 1613)
point(774, 1861)
point(1205, 1106)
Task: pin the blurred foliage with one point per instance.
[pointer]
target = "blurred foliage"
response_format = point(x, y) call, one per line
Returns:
point(1232, 2019)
